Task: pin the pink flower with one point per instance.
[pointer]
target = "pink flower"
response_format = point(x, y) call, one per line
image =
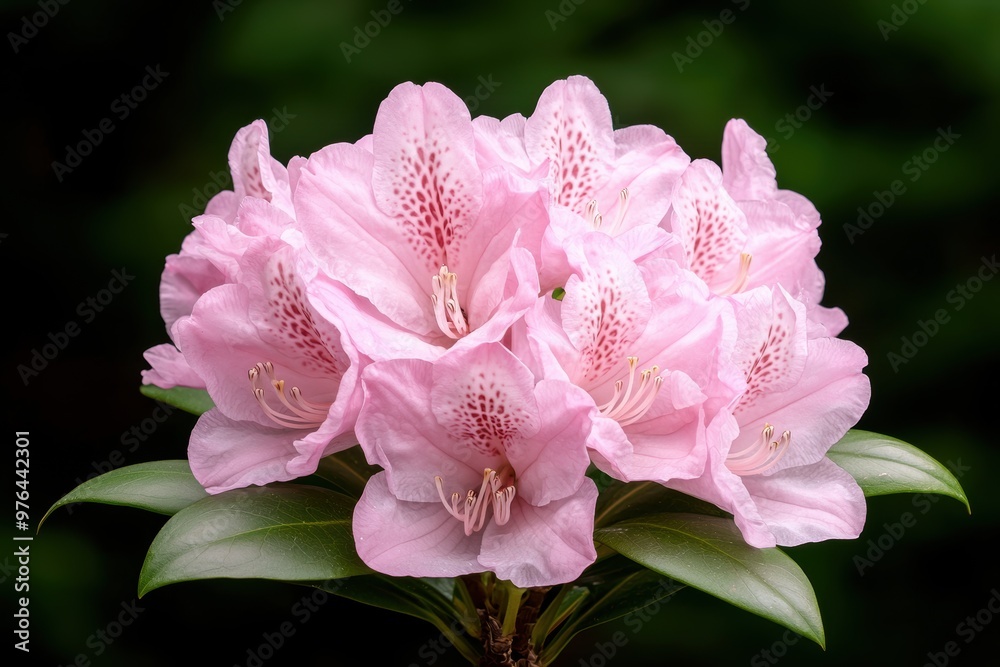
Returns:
point(416, 229)
point(739, 231)
point(484, 470)
point(648, 343)
point(767, 456)
point(209, 255)
point(614, 181)
point(284, 380)
point(255, 174)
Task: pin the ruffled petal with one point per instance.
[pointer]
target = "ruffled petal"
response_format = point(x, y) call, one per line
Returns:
point(411, 539)
point(809, 503)
point(543, 546)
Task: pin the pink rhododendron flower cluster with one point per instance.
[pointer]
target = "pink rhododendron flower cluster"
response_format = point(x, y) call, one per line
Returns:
point(489, 307)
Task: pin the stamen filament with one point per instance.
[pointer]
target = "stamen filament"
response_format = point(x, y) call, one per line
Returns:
point(594, 217)
point(628, 406)
point(622, 210)
point(305, 414)
point(472, 514)
point(761, 455)
point(742, 276)
point(447, 312)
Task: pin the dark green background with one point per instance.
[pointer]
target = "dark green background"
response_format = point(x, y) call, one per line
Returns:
point(123, 208)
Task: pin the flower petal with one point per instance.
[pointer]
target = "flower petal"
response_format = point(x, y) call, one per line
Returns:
point(411, 539)
point(571, 127)
point(543, 546)
point(228, 454)
point(809, 503)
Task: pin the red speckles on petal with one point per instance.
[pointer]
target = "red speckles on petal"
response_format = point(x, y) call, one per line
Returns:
point(604, 313)
point(486, 402)
point(708, 221)
point(426, 174)
point(776, 356)
point(605, 319)
point(433, 209)
point(576, 167)
point(571, 127)
point(481, 416)
point(293, 320)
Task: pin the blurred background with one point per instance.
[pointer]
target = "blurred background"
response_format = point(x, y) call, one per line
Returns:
point(883, 113)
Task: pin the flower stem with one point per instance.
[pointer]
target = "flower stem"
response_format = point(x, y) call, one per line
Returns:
point(514, 595)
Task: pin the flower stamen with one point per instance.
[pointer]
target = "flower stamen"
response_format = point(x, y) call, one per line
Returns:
point(472, 511)
point(305, 414)
point(742, 276)
point(447, 312)
point(761, 455)
point(594, 217)
point(627, 406)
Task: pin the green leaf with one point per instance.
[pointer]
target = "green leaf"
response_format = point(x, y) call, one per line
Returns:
point(709, 554)
point(619, 501)
point(608, 590)
point(883, 465)
point(439, 601)
point(347, 470)
point(285, 531)
point(188, 399)
point(159, 486)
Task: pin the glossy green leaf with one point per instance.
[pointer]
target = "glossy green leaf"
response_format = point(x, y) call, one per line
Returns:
point(441, 602)
point(188, 399)
point(159, 486)
point(347, 470)
point(286, 531)
point(883, 465)
point(619, 501)
point(708, 553)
